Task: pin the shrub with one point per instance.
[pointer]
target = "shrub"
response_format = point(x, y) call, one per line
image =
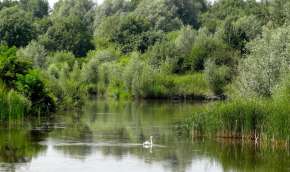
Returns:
point(67, 84)
point(35, 53)
point(209, 47)
point(261, 71)
point(218, 77)
point(164, 56)
point(34, 88)
point(90, 71)
point(10, 65)
point(190, 85)
point(60, 58)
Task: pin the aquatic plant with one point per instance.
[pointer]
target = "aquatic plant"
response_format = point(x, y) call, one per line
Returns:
point(12, 104)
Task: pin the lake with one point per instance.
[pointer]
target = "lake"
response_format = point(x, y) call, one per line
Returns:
point(107, 136)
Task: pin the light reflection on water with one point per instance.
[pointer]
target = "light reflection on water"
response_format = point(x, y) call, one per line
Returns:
point(108, 136)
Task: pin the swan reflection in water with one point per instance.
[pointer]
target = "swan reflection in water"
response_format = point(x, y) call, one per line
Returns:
point(148, 144)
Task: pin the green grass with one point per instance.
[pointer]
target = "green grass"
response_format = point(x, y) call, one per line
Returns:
point(185, 86)
point(160, 86)
point(266, 118)
point(191, 84)
point(12, 104)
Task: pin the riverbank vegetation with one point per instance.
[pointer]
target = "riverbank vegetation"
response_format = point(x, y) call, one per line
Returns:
point(258, 105)
point(192, 49)
point(260, 120)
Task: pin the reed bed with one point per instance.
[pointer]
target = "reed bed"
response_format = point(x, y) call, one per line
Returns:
point(247, 119)
point(12, 104)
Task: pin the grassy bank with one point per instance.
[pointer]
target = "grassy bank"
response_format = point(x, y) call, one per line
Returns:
point(159, 86)
point(258, 119)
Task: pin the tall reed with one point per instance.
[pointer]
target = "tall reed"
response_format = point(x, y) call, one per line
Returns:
point(12, 104)
point(243, 118)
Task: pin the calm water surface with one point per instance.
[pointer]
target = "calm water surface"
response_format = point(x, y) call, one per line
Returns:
point(107, 136)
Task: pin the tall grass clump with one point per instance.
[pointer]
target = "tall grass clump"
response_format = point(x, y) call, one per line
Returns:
point(279, 119)
point(189, 85)
point(12, 104)
point(254, 119)
point(234, 118)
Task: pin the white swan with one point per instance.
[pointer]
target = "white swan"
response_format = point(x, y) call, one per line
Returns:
point(148, 144)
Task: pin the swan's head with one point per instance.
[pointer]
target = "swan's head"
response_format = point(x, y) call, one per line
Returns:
point(151, 137)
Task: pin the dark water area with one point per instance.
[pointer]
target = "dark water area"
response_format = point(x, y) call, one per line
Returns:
point(108, 136)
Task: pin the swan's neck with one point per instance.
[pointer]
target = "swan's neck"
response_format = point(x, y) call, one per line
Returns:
point(151, 141)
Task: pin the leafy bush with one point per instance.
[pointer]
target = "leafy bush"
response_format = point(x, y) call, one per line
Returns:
point(11, 66)
point(159, 15)
point(261, 71)
point(209, 47)
point(35, 53)
point(67, 84)
point(164, 56)
point(34, 88)
point(61, 57)
point(218, 77)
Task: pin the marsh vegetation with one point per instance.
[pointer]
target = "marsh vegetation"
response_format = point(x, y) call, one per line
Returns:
point(234, 51)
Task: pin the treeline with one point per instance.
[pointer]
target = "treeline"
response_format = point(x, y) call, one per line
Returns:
point(141, 49)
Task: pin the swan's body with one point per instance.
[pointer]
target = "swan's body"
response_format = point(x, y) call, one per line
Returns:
point(148, 144)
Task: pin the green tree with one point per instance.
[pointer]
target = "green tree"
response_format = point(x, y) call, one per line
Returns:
point(7, 3)
point(279, 11)
point(269, 58)
point(34, 52)
point(38, 8)
point(90, 71)
point(71, 27)
point(188, 10)
point(111, 8)
point(129, 33)
point(211, 47)
point(34, 88)
point(16, 27)
point(160, 15)
point(11, 66)
point(221, 10)
point(83, 9)
point(164, 56)
point(69, 34)
point(217, 76)
point(237, 33)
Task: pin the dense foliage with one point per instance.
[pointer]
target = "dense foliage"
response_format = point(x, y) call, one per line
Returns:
point(139, 49)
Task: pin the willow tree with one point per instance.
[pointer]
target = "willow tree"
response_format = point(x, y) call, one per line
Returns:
point(268, 60)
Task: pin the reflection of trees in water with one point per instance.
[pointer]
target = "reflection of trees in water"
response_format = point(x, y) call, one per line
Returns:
point(134, 122)
point(245, 157)
point(128, 122)
point(77, 129)
point(18, 147)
